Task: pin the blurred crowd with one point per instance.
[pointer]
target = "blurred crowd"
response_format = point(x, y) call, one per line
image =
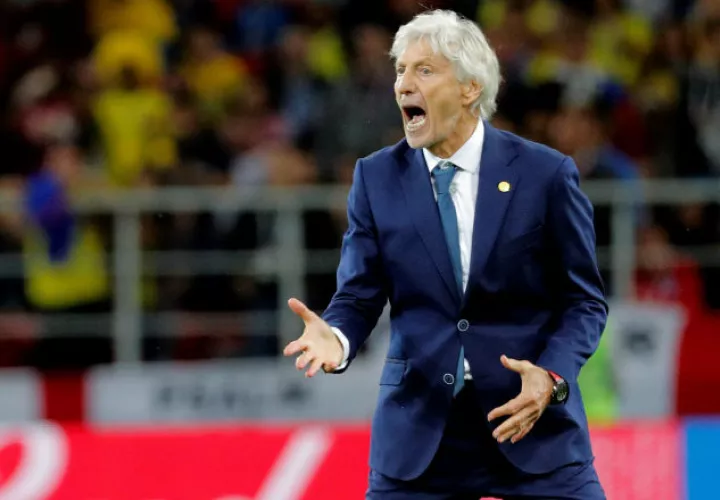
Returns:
point(117, 94)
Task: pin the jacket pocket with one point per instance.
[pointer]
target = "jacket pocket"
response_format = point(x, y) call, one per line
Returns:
point(522, 242)
point(393, 372)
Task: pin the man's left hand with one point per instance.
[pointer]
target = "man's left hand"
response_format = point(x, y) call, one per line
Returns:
point(524, 410)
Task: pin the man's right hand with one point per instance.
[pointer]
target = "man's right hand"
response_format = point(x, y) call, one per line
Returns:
point(318, 345)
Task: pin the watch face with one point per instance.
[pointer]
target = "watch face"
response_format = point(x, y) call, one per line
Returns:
point(561, 392)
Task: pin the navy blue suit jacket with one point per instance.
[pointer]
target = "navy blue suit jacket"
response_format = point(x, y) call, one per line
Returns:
point(534, 293)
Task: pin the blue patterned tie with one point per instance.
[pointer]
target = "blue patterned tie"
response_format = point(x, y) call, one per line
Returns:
point(443, 175)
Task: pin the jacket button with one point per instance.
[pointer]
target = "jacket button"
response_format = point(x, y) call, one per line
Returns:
point(463, 325)
point(449, 378)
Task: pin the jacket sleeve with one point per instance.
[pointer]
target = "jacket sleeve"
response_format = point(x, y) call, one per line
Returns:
point(361, 293)
point(583, 309)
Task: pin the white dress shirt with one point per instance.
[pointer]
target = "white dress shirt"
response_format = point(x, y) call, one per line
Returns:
point(463, 190)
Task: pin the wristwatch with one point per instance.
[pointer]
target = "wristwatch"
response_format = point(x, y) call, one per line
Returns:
point(560, 389)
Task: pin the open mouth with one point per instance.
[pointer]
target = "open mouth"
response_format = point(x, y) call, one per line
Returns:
point(415, 117)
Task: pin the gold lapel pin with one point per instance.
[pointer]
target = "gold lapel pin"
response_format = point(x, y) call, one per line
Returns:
point(504, 187)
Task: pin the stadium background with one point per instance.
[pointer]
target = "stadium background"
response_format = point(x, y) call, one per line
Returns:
point(173, 170)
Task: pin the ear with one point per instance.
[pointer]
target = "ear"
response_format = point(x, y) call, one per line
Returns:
point(470, 92)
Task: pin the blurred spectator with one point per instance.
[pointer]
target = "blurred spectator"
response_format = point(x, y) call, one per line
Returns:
point(64, 263)
point(131, 33)
point(212, 74)
point(65, 267)
point(134, 124)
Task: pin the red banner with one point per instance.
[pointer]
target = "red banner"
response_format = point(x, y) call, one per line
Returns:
point(266, 463)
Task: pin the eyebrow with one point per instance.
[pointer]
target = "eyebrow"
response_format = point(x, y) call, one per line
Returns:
point(423, 61)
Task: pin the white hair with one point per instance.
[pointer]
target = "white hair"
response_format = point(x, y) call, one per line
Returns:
point(462, 43)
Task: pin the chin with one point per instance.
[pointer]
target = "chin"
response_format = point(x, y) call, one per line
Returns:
point(413, 142)
point(417, 141)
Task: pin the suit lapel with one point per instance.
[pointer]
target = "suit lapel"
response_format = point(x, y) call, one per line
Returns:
point(493, 198)
point(415, 180)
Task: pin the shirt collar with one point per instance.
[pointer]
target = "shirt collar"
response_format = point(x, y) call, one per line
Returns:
point(467, 157)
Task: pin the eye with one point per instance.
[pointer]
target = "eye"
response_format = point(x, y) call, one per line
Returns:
point(425, 71)
point(400, 70)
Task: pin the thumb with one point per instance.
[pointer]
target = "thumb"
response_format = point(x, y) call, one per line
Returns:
point(512, 364)
point(302, 310)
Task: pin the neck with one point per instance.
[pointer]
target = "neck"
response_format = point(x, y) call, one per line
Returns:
point(461, 133)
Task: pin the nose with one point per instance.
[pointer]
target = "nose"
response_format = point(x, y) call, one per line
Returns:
point(404, 84)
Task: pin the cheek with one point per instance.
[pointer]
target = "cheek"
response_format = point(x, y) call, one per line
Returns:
point(446, 108)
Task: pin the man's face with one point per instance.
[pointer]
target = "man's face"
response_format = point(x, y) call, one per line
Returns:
point(431, 98)
point(65, 162)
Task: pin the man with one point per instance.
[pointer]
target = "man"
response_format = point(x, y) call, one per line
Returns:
point(64, 262)
point(484, 246)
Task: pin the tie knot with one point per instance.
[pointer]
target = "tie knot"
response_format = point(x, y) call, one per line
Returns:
point(443, 175)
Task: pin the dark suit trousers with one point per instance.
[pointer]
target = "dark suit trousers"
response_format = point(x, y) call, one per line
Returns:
point(469, 465)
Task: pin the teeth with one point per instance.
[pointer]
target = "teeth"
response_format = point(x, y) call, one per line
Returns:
point(415, 123)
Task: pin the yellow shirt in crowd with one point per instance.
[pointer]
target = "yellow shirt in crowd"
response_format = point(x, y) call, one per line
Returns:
point(151, 18)
point(79, 279)
point(215, 81)
point(541, 17)
point(326, 56)
point(127, 48)
point(136, 133)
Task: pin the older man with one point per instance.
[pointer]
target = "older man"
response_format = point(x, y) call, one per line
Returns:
point(484, 245)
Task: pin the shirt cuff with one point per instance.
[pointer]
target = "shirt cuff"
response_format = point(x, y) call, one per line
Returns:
point(345, 345)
